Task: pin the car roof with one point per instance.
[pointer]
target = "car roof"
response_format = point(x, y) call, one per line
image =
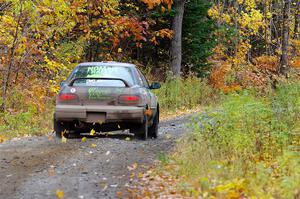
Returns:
point(107, 63)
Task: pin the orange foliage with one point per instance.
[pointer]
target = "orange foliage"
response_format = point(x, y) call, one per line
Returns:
point(129, 27)
point(152, 3)
point(266, 63)
point(261, 73)
point(218, 78)
point(295, 63)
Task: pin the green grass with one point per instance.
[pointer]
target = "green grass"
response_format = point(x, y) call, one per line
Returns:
point(25, 124)
point(29, 112)
point(176, 94)
point(248, 145)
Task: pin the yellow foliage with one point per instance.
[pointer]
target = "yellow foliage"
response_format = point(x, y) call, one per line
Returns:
point(253, 20)
point(53, 66)
point(213, 11)
point(233, 189)
point(54, 89)
point(244, 23)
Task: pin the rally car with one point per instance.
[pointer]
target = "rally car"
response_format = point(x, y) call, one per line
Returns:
point(107, 96)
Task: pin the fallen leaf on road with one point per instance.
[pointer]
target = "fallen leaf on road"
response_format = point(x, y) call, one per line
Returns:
point(103, 185)
point(63, 139)
point(92, 132)
point(93, 145)
point(168, 136)
point(132, 167)
point(119, 194)
point(51, 171)
point(60, 194)
point(127, 138)
point(140, 175)
point(83, 139)
point(132, 175)
point(50, 138)
point(2, 138)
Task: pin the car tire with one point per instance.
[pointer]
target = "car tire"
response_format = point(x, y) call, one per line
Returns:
point(140, 130)
point(60, 128)
point(153, 129)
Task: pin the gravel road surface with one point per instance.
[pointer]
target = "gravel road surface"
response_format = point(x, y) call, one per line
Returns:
point(100, 167)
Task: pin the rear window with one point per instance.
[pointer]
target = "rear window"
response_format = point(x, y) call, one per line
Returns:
point(124, 73)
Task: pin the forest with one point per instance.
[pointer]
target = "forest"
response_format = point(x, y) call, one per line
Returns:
point(231, 44)
point(238, 59)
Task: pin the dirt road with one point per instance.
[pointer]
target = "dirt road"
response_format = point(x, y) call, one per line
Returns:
point(100, 167)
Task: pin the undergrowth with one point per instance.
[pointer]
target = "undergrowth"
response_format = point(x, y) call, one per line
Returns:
point(246, 147)
point(25, 124)
point(182, 94)
point(27, 114)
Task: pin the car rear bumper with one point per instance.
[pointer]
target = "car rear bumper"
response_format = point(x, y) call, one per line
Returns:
point(100, 114)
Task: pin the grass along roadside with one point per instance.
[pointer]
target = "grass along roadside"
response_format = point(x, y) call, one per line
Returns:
point(24, 124)
point(176, 97)
point(179, 97)
point(248, 146)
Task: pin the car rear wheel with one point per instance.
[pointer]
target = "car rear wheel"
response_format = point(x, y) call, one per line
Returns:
point(153, 129)
point(60, 128)
point(140, 130)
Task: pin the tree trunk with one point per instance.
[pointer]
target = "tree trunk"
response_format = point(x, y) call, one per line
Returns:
point(176, 45)
point(284, 65)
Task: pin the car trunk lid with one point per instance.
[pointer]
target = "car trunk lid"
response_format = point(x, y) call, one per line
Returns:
point(99, 91)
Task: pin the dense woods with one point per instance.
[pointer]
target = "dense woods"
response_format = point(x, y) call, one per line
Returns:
point(233, 43)
point(242, 57)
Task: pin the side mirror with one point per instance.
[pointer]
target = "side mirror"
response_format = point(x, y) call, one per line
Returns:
point(155, 85)
point(62, 83)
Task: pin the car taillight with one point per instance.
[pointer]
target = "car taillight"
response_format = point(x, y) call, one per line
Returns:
point(129, 99)
point(67, 96)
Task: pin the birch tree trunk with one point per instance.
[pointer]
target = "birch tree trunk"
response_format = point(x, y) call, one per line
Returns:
point(176, 45)
point(284, 65)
